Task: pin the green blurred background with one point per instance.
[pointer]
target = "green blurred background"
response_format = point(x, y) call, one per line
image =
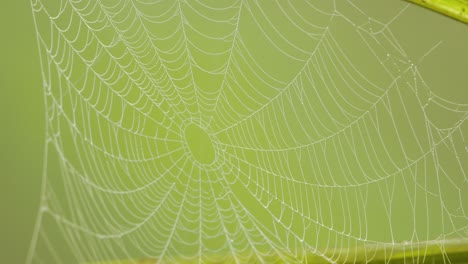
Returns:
point(22, 107)
point(22, 129)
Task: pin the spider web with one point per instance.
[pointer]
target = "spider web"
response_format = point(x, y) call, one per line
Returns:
point(240, 130)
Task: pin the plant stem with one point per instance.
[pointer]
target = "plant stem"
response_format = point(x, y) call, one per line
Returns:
point(456, 9)
point(438, 251)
